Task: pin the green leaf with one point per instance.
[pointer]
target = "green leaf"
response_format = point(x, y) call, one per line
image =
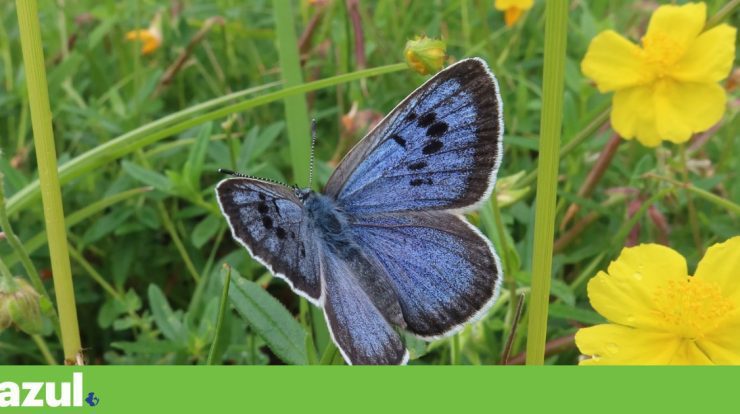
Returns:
point(269, 319)
point(194, 165)
point(168, 322)
point(562, 291)
point(146, 347)
point(149, 177)
point(205, 230)
point(563, 311)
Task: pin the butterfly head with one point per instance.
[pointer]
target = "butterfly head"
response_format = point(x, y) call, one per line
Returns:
point(302, 193)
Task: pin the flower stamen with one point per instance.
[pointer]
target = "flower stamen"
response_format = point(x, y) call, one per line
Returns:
point(691, 307)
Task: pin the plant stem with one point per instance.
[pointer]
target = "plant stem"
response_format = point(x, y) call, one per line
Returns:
point(40, 239)
point(329, 353)
point(95, 275)
point(512, 332)
point(7, 283)
point(556, 26)
point(455, 349)
point(712, 198)
point(38, 98)
point(580, 137)
point(170, 227)
point(296, 110)
point(508, 271)
point(725, 11)
point(221, 312)
point(48, 357)
point(693, 220)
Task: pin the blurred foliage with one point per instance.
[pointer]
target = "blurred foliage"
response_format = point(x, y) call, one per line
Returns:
point(148, 263)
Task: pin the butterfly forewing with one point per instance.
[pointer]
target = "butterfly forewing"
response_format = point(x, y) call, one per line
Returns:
point(268, 219)
point(437, 150)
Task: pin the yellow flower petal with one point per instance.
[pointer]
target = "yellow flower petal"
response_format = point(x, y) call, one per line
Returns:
point(507, 4)
point(689, 353)
point(721, 264)
point(723, 344)
point(613, 62)
point(633, 115)
point(626, 295)
point(512, 15)
point(709, 58)
point(684, 108)
point(611, 344)
point(140, 34)
point(682, 23)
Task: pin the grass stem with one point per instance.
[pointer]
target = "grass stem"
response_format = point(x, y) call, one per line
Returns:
point(51, 196)
point(556, 27)
point(220, 321)
point(296, 110)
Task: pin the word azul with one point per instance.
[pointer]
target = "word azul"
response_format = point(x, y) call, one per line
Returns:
point(44, 394)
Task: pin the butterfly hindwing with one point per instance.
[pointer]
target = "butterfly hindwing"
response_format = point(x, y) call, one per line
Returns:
point(444, 271)
point(439, 149)
point(357, 326)
point(268, 219)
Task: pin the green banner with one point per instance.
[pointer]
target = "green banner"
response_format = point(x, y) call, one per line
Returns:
point(459, 389)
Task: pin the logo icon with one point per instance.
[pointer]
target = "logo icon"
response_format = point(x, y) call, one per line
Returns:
point(92, 400)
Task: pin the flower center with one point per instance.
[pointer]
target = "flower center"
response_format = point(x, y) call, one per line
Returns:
point(691, 307)
point(661, 52)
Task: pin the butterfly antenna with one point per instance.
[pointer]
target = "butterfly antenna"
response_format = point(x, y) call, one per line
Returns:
point(313, 149)
point(232, 173)
point(237, 174)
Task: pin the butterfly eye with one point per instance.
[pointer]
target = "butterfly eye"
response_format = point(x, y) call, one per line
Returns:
point(301, 193)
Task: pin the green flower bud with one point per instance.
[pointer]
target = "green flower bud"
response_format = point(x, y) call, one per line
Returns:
point(506, 193)
point(425, 55)
point(19, 306)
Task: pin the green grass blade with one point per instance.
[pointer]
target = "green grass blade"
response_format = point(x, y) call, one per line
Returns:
point(556, 27)
point(296, 110)
point(39, 239)
point(51, 194)
point(176, 123)
point(223, 306)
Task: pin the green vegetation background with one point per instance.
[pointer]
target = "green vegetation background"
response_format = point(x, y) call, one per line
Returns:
point(148, 243)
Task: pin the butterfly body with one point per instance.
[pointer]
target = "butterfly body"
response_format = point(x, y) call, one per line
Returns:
point(385, 246)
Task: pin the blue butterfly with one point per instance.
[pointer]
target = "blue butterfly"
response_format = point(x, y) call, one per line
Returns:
point(386, 246)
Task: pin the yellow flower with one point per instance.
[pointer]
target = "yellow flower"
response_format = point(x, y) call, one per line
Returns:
point(661, 316)
point(425, 55)
point(513, 9)
point(150, 38)
point(665, 89)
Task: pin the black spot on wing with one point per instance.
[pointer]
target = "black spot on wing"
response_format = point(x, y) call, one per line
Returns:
point(400, 141)
point(417, 165)
point(262, 196)
point(410, 117)
point(432, 147)
point(262, 208)
point(267, 222)
point(419, 181)
point(280, 232)
point(437, 129)
point(426, 119)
